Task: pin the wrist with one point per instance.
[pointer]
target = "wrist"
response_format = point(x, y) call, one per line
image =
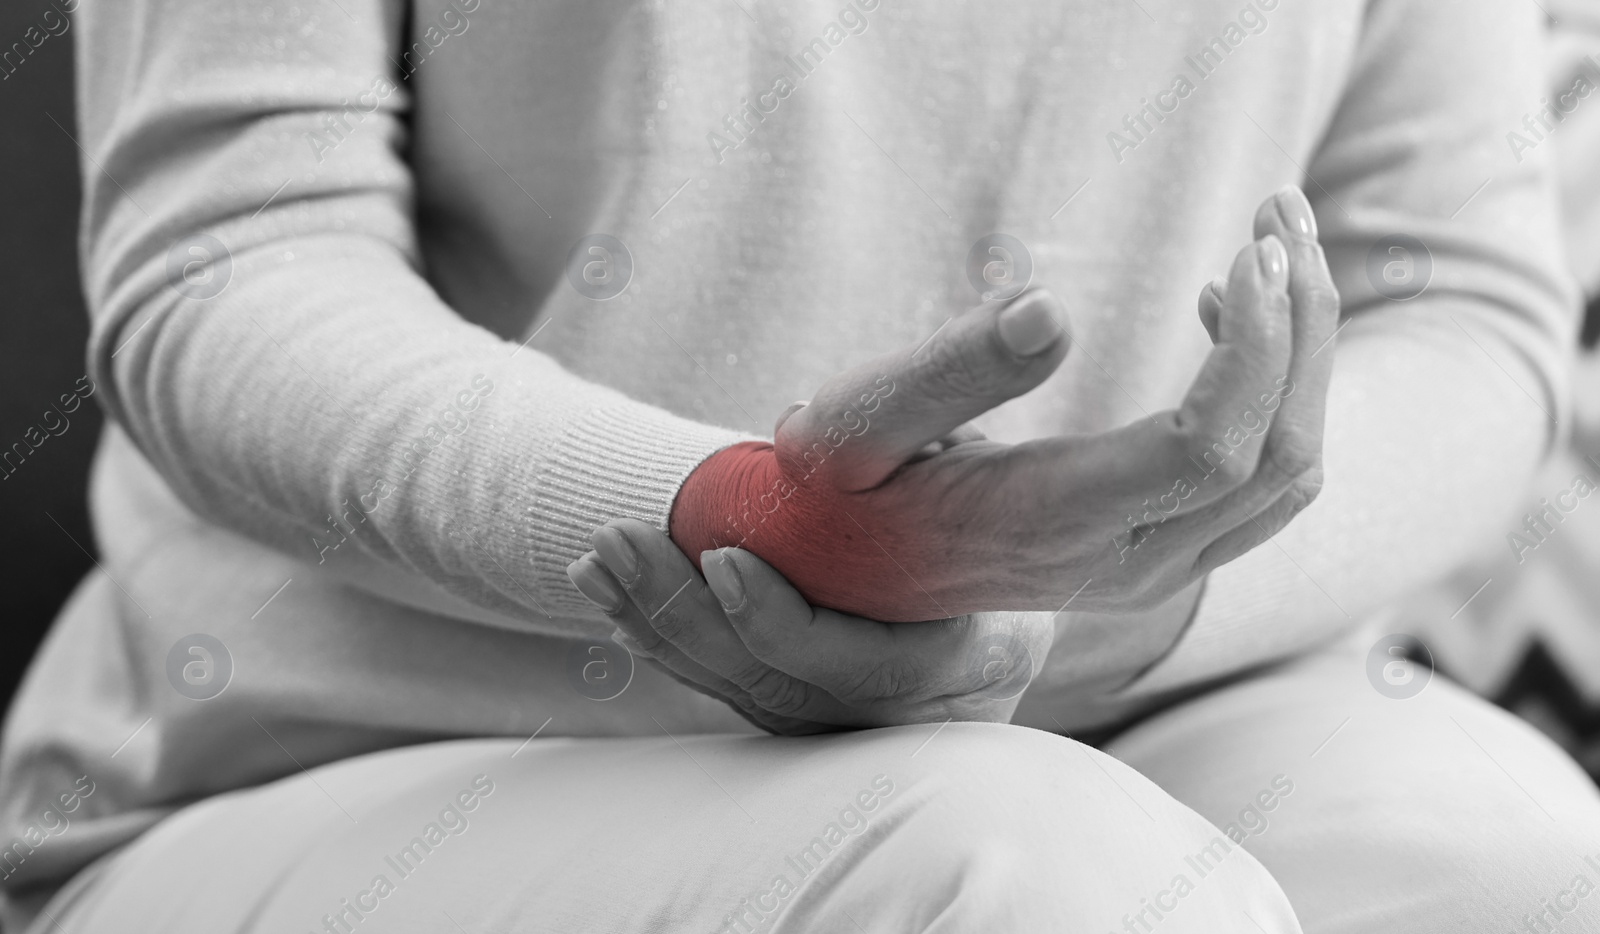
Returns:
point(832, 547)
point(706, 514)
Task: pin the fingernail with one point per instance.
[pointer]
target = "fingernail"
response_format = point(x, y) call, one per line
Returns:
point(626, 641)
point(1219, 288)
point(618, 554)
point(1296, 212)
point(784, 416)
point(1027, 325)
point(723, 576)
point(594, 583)
point(1274, 260)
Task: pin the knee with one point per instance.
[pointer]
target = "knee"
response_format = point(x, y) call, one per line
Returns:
point(1533, 864)
point(1443, 828)
point(1005, 828)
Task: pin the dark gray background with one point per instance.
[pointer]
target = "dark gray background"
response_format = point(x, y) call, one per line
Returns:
point(42, 331)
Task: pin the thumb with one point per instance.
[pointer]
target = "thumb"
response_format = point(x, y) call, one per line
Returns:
point(867, 421)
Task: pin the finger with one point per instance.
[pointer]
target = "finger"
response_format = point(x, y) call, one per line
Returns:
point(1295, 443)
point(678, 608)
point(962, 434)
point(1179, 462)
point(680, 668)
point(1205, 540)
point(1251, 354)
point(859, 661)
point(865, 423)
point(1211, 299)
point(596, 582)
point(657, 578)
point(1256, 529)
point(783, 416)
point(1292, 446)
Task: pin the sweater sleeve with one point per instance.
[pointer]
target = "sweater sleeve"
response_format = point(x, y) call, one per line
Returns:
point(1442, 403)
point(1574, 61)
point(263, 331)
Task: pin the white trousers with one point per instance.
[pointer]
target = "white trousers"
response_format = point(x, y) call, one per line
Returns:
point(1301, 799)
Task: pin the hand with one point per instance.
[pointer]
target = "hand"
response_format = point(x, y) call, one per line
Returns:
point(750, 640)
point(854, 507)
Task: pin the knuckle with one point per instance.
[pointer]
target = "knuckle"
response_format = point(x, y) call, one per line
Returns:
point(1236, 469)
point(647, 639)
point(1274, 324)
point(959, 369)
point(774, 723)
point(1291, 457)
point(777, 692)
point(1307, 487)
point(675, 623)
point(1322, 295)
point(751, 627)
point(866, 686)
point(1302, 492)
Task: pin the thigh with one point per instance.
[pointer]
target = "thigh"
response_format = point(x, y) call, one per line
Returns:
point(1437, 812)
point(956, 828)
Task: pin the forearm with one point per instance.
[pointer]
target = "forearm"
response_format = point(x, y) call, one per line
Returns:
point(432, 453)
point(327, 401)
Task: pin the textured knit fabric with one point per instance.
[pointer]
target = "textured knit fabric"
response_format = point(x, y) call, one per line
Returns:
point(402, 405)
point(1574, 133)
point(1519, 623)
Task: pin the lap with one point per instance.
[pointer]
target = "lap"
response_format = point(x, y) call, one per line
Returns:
point(1439, 812)
point(1434, 813)
point(926, 828)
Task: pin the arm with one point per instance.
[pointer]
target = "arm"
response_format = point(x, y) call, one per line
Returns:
point(1441, 406)
point(327, 401)
point(751, 635)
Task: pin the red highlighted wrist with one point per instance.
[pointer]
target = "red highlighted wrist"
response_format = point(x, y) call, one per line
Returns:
point(826, 543)
point(714, 507)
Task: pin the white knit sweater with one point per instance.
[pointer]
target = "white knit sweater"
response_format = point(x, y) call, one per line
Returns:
point(399, 366)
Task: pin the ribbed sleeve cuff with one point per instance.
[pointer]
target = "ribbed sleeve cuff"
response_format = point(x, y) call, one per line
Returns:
point(623, 460)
